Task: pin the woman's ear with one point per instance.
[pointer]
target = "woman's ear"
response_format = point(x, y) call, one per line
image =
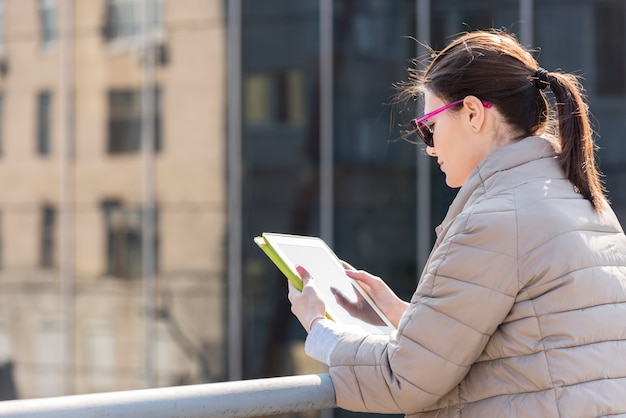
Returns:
point(475, 113)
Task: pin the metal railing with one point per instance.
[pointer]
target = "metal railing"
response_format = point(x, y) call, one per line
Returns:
point(245, 398)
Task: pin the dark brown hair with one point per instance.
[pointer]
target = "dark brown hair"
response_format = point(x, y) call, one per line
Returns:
point(494, 67)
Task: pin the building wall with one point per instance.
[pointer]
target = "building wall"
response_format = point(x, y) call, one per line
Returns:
point(109, 343)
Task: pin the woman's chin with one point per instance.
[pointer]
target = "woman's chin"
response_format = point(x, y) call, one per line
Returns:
point(452, 183)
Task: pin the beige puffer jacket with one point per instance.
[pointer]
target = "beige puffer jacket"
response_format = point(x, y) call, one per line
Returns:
point(520, 310)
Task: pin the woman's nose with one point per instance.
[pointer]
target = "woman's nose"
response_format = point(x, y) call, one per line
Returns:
point(431, 151)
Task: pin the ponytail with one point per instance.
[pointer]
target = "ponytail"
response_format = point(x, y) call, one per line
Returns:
point(575, 135)
point(496, 68)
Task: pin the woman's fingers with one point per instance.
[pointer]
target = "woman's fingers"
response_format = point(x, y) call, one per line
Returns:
point(304, 274)
point(347, 265)
point(363, 277)
point(293, 292)
point(307, 304)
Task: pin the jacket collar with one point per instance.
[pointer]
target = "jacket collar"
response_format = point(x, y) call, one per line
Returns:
point(501, 159)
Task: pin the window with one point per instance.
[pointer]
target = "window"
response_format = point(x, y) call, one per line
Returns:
point(44, 127)
point(48, 225)
point(125, 121)
point(8, 389)
point(101, 355)
point(610, 47)
point(123, 239)
point(48, 335)
point(47, 17)
point(124, 19)
point(275, 98)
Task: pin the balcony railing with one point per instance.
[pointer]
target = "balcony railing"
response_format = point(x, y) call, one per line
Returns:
point(246, 398)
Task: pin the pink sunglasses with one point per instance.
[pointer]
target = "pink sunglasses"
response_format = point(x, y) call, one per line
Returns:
point(424, 130)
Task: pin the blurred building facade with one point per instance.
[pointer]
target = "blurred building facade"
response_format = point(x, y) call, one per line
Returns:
point(107, 79)
point(140, 158)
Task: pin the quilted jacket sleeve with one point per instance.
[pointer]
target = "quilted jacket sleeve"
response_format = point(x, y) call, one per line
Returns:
point(466, 290)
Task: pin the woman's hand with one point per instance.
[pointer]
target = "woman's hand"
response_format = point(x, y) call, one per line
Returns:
point(359, 308)
point(391, 305)
point(307, 305)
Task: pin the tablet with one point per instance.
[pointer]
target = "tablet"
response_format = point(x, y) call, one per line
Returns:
point(346, 302)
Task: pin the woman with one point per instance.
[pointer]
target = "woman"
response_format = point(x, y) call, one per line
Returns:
point(521, 308)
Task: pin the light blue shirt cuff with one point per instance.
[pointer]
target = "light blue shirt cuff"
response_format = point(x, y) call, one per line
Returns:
point(322, 340)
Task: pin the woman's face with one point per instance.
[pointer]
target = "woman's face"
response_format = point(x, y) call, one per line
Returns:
point(458, 149)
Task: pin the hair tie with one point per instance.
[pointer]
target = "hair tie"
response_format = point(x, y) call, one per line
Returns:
point(541, 78)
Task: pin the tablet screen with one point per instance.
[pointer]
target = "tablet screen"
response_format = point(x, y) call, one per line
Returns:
point(345, 304)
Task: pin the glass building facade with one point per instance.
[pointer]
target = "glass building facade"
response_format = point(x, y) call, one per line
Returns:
point(184, 128)
point(355, 184)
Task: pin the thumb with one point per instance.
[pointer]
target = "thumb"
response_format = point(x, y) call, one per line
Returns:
point(304, 274)
point(340, 297)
